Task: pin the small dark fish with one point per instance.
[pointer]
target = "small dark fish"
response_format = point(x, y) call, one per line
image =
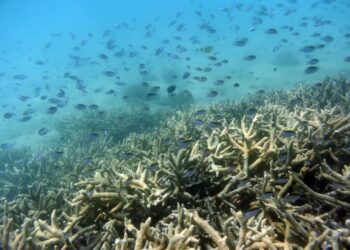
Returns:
point(303, 24)
point(83, 42)
point(143, 72)
point(93, 106)
point(335, 185)
point(183, 143)
point(200, 112)
point(172, 23)
point(277, 47)
point(219, 82)
point(120, 53)
point(128, 181)
point(80, 106)
point(109, 73)
point(288, 133)
point(347, 59)
point(243, 183)
point(236, 85)
point(313, 61)
point(29, 111)
point(127, 156)
point(186, 75)
point(51, 110)
point(110, 92)
point(251, 213)
point(212, 93)
point(266, 196)
point(73, 78)
point(145, 84)
point(19, 77)
point(292, 198)
point(142, 66)
point(56, 155)
point(202, 78)
point(106, 33)
point(271, 31)
point(212, 58)
point(159, 51)
point(39, 62)
point(171, 89)
point(8, 115)
point(308, 49)
point(187, 93)
point(151, 95)
point(241, 42)
point(110, 44)
point(92, 136)
point(280, 181)
point(23, 98)
point(206, 69)
point(327, 39)
point(189, 173)
point(62, 103)
point(207, 49)
point(155, 89)
point(98, 90)
point(61, 93)
point(214, 124)
point(43, 131)
point(87, 160)
point(25, 118)
point(54, 100)
point(311, 70)
point(103, 56)
point(251, 111)
point(180, 27)
point(198, 122)
point(249, 58)
point(153, 167)
point(294, 102)
point(48, 45)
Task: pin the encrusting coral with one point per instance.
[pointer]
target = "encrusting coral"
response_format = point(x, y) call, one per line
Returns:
point(274, 177)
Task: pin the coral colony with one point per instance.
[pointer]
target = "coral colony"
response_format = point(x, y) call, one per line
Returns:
point(270, 172)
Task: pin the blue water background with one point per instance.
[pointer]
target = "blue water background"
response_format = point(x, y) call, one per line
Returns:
point(26, 27)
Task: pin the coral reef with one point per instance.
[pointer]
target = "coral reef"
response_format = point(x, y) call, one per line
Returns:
point(271, 172)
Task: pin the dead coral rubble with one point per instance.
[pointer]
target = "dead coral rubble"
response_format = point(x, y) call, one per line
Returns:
point(275, 178)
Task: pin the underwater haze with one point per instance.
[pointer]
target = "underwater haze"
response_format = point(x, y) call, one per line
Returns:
point(62, 58)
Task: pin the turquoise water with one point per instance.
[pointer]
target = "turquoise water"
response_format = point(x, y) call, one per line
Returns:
point(41, 41)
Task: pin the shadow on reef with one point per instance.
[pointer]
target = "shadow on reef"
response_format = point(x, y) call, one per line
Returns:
point(270, 172)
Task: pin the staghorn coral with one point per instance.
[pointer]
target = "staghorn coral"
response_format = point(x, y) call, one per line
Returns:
point(275, 179)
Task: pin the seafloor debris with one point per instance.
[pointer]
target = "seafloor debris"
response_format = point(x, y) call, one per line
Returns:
point(275, 178)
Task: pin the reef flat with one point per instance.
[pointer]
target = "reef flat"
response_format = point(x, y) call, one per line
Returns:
point(269, 172)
